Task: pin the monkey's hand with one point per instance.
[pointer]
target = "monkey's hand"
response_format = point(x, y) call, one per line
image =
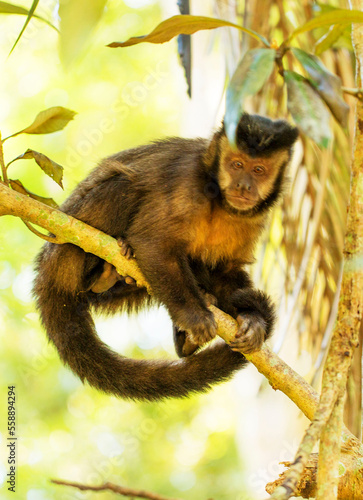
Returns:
point(185, 345)
point(191, 341)
point(250, 335)
point(200, 326)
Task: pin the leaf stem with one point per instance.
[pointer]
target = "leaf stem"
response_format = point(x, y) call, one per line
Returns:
point(2, 163)
point(358, 93)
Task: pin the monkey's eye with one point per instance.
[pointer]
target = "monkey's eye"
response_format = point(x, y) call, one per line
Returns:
point(237, 164)
point(259, 169)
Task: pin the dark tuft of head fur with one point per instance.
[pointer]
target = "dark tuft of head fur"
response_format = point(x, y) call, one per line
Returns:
point(260, 136)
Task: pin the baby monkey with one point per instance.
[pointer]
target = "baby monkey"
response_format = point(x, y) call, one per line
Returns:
point(191, 212)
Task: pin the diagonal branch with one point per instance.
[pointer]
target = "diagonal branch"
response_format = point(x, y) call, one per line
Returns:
point(71, 230)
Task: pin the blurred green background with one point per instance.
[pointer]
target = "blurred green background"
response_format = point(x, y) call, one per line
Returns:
point(198, 448)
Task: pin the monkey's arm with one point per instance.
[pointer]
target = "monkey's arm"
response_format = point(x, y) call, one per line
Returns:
point(173, 283)
point(183, 342)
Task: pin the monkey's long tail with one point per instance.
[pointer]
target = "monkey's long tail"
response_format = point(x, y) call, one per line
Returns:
point(70, 327)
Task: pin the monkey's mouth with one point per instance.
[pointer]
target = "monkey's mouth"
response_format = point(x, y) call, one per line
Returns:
point(240, 201)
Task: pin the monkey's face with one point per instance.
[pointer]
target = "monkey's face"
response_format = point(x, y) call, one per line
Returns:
point(247, 181)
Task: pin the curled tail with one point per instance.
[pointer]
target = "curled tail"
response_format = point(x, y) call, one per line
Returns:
point(70, 327)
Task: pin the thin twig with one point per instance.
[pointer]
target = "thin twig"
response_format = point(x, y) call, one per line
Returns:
point(51, 239)
point(358, 93)
point(120, 490)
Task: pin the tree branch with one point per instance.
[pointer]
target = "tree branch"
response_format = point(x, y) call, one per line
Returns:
point(120, 490)
point(329, 452)
point(69, 230)
point(346, 333)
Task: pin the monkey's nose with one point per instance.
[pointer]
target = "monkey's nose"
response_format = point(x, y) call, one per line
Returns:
point(244, 186)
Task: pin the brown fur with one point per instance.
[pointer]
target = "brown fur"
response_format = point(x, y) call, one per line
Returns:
point(221, 235)
point(192, 217)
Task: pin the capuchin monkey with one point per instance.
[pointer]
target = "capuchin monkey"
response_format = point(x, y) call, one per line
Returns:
point(191, 212)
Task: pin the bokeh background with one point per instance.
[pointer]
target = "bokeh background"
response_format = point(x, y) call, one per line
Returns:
point(225, 444)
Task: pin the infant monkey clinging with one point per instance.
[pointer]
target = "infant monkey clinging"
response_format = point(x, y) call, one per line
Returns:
point(192, 211)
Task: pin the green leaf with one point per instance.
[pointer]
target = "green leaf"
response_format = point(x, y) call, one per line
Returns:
point(252, 72)
point(18, 186)
point(338, 16)
point(329, 39)
point(9, 8)
point(307, 108)
point(328, 85)
point(48, 121)
point(49, 167)
point(184, 25)
point(29, 16)
point(78, 19)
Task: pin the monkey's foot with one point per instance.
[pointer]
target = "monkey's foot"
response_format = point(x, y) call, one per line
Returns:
point(128, 252)
point(107, 279)
point(189, 346)
point(184, 345)
point(126, 249)
point(250, 335)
